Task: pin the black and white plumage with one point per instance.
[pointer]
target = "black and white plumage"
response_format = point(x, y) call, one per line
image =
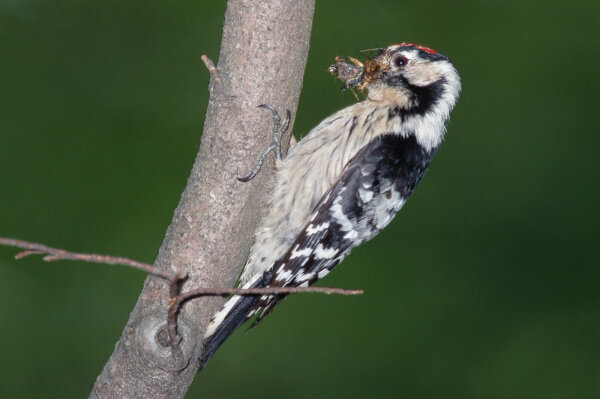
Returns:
point(346, 180)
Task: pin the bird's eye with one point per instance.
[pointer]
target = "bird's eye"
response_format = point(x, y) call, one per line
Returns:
point(400, 61)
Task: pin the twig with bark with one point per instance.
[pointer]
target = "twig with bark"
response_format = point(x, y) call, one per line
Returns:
point(176, 298)
point(52, 254)
point(212, 69)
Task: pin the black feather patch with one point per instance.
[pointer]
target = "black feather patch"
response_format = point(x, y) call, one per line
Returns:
point(371, 190)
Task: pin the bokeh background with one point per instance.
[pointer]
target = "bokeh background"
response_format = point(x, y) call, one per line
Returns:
point(485, 286)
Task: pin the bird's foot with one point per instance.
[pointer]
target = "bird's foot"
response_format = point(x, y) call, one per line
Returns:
point(275, 145)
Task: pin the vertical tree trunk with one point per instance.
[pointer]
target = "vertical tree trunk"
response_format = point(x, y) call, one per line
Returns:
point(263, 54)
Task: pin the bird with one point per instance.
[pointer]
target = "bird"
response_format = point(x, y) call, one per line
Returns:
point(343, 182)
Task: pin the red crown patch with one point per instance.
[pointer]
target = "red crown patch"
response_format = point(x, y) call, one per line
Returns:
point(425, 49)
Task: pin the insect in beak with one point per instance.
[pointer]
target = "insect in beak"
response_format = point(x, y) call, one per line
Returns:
point(349, 73)
point(355, 74)
point(356, 62)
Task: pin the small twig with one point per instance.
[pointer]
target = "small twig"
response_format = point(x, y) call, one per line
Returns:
point(23, 254)
point(172, 310)
point(175, 282)
point(33, 248)
point(261, 291)
point(211, 68)
point(175, 302)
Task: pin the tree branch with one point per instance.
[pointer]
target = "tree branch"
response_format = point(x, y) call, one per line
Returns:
point(263, 54)
point(176, 299)
point(214, 73)
point(34, 248)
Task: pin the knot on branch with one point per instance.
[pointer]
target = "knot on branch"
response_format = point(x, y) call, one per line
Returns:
point(154, 344)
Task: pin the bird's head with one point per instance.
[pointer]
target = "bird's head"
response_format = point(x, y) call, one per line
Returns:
point(406, 75)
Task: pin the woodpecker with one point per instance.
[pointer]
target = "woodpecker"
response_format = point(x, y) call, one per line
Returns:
point(346, 180)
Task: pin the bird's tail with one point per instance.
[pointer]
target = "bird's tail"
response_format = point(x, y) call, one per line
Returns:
point(235, 311)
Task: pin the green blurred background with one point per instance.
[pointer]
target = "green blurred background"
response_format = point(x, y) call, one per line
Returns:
point(485, 286)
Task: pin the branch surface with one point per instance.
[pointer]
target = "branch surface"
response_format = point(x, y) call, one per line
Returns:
point(263, 54)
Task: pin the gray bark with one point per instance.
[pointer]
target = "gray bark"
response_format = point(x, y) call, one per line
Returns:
point(263, 55)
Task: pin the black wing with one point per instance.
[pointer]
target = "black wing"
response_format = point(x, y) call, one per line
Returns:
point(371, 190)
